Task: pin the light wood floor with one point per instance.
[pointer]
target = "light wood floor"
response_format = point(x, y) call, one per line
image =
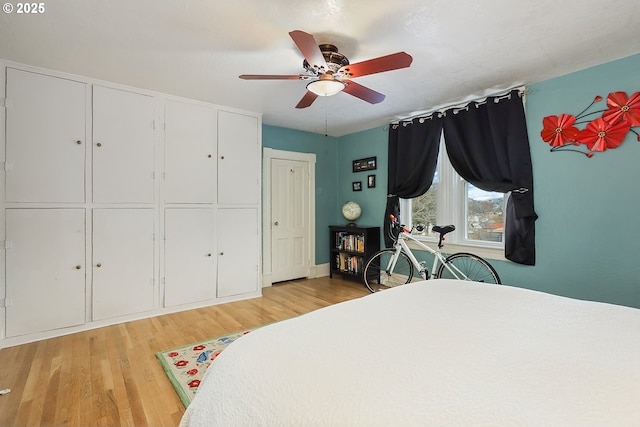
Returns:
point(111, 377)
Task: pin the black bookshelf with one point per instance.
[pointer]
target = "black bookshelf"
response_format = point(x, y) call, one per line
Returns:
point(350, 248)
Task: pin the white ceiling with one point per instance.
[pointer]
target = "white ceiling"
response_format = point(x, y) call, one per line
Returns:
point(461, 49)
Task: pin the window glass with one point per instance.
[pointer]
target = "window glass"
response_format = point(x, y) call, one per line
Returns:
point(477, 214)
point(485, 214)
point(424, 208)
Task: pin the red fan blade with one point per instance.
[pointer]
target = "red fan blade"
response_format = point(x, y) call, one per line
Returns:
point(309, 48)
point(363, 92)
point(273, 77)
point(307, 100)
point(377, 65)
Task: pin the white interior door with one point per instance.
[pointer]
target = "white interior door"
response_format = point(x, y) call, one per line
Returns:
point(289, 219)
point(45, 269)
point(189, 256)
point(45, 148)
point(123, 151)
point(190, 154)
point(238, 251)
point(123, 267)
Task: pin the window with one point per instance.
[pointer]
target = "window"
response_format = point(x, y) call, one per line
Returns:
point(477, 214)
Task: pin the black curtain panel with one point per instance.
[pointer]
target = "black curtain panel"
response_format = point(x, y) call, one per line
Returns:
point(413, 156)
point(488, 146)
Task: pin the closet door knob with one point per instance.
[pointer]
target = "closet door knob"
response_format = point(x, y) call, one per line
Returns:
point(99, 144)
point(221, 253)
point(78, 142)
point(99, 265)
point(78, 267)
point(208, 254)
point(221, 157)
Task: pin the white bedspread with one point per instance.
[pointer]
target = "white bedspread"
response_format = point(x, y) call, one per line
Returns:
point(435, 353)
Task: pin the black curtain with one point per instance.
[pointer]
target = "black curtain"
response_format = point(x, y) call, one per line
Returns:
point(413, 156)
point(488, 146)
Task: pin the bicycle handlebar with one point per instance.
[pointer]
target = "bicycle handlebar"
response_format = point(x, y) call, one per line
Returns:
point(440, 230)
point(394, 221)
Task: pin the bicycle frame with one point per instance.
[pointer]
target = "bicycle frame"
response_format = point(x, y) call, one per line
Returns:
point(402, 246)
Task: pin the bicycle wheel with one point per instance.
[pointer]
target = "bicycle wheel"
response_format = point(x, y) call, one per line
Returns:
point(377, 274)
point(472, 266)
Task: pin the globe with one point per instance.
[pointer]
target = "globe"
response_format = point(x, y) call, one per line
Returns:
point(351, 210)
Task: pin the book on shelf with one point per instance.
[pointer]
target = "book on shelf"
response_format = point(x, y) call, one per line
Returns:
point(349, 263)
point(350, 242)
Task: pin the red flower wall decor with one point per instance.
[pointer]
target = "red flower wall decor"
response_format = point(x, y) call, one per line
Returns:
point(559, 130)
point(600, 134)
point(623, 109)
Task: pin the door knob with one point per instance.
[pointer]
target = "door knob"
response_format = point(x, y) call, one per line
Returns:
point(78, 267)
point(275, 223)
point(221, 253)
point(99, 265)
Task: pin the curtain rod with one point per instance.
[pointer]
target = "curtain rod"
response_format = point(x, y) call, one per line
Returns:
point(461, 105)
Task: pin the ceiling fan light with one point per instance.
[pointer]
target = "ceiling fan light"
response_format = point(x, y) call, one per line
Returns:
point(325, 87)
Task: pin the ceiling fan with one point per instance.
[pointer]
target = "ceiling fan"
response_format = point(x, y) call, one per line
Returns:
point(329, 71)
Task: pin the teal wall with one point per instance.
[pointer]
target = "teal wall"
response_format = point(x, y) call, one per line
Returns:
point(370, 143)
point(588, 233)
point(587, 236)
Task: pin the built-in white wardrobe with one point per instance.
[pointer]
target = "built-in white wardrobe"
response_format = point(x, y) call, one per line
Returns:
point(119, 203)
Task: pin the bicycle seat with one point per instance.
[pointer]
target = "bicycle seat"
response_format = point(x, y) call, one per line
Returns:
point(443, 229)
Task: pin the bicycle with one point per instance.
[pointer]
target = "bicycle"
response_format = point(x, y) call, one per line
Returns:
point(395, 266)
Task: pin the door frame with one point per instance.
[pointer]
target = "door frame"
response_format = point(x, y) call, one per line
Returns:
point(310, 159)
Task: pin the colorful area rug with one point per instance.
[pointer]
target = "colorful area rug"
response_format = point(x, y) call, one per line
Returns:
point(186, 365)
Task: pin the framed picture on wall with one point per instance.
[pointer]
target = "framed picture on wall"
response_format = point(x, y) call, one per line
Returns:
point(371, 181)
point(356, 185)
point(364, 164)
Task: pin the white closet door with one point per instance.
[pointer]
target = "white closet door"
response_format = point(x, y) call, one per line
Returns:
point(238, 251)
point(123, 151)
point(189, 256)
point(190, 154)
point(238, 159)
point(45, 273)
point(45, 138)
point(123, 262)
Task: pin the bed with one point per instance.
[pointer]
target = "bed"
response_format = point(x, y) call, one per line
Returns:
point(433, 353)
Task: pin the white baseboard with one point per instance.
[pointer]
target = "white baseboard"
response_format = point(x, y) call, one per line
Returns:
point(321, 270)
point(315, 271)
